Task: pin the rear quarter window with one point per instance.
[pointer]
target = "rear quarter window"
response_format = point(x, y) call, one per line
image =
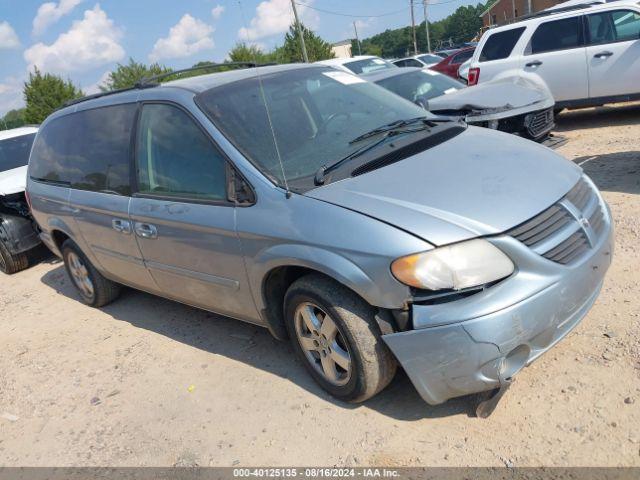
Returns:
point(87, 150)
point(500, 45)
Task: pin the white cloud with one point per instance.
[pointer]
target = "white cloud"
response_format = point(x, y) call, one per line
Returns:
point(11, 94)
point(8, 37)
point(50, 12)
point(91, 42)
point(274, 17)
point(95, 87)
point(217, 11)
point(186, 38)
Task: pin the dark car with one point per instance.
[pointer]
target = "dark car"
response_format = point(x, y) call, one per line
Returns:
point(449, 66)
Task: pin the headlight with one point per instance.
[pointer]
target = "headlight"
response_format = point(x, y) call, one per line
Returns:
point(458, 266)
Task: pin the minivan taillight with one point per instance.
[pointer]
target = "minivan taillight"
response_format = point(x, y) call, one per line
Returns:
point(473, 76)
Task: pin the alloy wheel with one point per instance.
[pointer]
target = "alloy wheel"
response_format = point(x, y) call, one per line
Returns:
point(80, 274)
point(323, 344)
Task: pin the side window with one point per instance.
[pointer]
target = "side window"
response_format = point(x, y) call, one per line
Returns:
point(463, 57)
point(610, 27)
point(413, 63)
point(87, 150)
point(175, 157)
point(500, 45)
point(558, 35)
point(400, 63)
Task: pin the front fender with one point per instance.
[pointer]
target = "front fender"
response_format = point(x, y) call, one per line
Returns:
point(330, 263)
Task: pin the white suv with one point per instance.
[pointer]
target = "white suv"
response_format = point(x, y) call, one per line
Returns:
point(587, 54)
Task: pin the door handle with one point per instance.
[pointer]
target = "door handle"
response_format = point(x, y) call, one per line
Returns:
point(122, 226)
point(535, 63)
point(146, 230)
point(604, 54)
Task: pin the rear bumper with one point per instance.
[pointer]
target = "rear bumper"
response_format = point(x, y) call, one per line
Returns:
point(464, 347)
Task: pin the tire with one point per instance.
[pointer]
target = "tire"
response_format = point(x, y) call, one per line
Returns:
point(10, 263)
point(371, 364)
point(102, 291)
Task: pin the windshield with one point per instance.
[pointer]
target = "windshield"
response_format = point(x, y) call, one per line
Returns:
point(314, 114)
point(368, 65)
point(430, 58)
point(14, 152)
point(420, 85)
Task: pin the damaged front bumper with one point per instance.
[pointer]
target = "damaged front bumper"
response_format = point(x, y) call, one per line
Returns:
point(468, 345)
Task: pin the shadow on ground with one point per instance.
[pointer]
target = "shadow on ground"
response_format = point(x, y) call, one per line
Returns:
point(253, 346)
point(613, 172)
point(605, 116)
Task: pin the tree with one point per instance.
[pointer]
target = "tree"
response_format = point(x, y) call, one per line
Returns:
point(13, 119)
point(242, 52)
point(461, 26)
point(45, 93)
point(291, 51)
point(126, 76)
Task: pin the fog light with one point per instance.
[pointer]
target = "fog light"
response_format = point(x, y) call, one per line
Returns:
point(493, 124)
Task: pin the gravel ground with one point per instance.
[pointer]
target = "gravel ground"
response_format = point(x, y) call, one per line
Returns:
point(146, 381)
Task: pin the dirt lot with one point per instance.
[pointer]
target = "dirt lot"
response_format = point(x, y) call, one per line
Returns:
point(146, 381)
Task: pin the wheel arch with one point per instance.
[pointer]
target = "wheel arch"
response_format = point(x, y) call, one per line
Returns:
point(274, 271)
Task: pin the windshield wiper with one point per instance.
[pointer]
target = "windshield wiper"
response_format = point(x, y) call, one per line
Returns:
point(392, 132)
point(392, 126)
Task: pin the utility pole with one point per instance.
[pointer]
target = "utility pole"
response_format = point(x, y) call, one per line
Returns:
point(413, 27)
point(357, 39)
point(426, 25)
point(299, 27)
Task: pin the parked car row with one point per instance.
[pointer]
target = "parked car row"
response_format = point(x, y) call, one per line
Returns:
point(518, 104)
point(329, 210)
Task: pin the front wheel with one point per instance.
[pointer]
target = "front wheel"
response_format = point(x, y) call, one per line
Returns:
point(335, 334)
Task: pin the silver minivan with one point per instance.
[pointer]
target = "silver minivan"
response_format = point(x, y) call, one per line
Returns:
point(333, 212)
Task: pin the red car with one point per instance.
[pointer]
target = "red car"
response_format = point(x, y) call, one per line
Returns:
point(449, 66)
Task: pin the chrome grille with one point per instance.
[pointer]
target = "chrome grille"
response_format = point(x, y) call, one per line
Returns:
point(540, 122)
point(566, 231)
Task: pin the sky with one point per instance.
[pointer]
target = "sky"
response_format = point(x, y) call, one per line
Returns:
point(83, 40)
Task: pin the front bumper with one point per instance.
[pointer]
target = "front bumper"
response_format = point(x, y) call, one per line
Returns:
point(466, 346)
point(533, 125)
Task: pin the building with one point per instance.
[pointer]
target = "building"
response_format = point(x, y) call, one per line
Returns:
point(502, 12)
point(342, 49)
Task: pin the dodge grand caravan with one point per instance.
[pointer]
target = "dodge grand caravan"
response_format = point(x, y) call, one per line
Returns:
point(332, 212)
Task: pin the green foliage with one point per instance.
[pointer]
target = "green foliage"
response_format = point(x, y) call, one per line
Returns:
point(460, 26)
point(291, 51)
point(45, 93)
point(126, 76)
point(13, 119)
point(242, 52)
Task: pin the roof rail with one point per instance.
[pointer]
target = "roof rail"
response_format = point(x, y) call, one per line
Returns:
point(151, 82)
point(569, 8)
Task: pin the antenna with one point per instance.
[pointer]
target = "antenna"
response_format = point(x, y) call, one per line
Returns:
point(266, 107)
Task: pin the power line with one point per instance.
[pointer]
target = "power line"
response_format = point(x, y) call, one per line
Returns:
point(349, 15)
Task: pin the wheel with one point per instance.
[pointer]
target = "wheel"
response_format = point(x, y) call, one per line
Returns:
point(335, 334)
point(94, 289)
point(10, 263)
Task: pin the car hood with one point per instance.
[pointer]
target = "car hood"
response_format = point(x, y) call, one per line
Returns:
point(481, 182)
point(13, 181)
point(496, 97)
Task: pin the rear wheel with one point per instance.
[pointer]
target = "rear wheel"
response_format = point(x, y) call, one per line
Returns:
point(335, 334)
point(10, 263)
point(95, 290)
